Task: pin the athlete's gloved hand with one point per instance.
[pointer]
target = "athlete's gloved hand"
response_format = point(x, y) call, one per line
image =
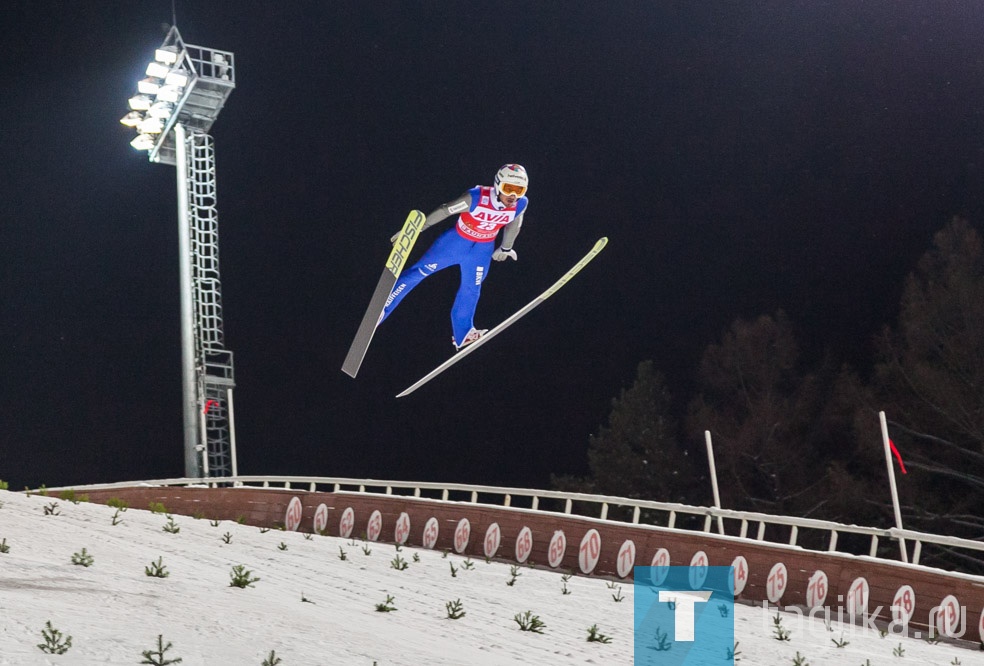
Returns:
point(504, 253)
point(395, 236)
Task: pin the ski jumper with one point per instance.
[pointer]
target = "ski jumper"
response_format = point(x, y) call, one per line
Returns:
point(469, 245)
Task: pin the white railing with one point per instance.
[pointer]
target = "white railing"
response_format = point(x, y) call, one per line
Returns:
point(694, 518)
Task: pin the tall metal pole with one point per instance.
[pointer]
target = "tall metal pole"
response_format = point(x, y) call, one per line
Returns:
point(189, 377)
point(891, 481)
point(714, 477)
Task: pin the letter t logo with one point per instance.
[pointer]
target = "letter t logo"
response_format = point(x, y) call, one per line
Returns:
point(683, 613)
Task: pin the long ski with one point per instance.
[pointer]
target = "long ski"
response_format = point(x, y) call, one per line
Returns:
point(391, 273)
point(598, 247)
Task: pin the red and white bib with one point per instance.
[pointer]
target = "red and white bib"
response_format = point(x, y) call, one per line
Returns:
point(481, 223)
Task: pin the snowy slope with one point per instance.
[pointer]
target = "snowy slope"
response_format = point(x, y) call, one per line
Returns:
point(113, 611)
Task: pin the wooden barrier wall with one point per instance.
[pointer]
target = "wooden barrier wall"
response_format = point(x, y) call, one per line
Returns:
point(782, 575)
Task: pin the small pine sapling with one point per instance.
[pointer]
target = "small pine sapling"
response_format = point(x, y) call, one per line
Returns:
point(282, 546)
point(618, 595)
point(840, 643)
point(779, 631)
point(241, 577)
point(733, 653)
point(272, 660)
point(529, 622)
point(663, 642)
point(157, 507)
point(341, 554)
point(387, 606)
point(468, 564)
point(83, 558)
point(899, 651)
point(366, 550)
point(51, 509)
point(117, 503)
point(157, 569)
point(514, 573)
point(54, 641)
point(4, 548)
point(157, 658)
point(454, 572)
point(800, 660)
point(455, 609)
point(416, 558)
point(170, 526)
point(399, 563)
point(595, 636)
point(227, 537)
point(116, 518)
point(214, 523)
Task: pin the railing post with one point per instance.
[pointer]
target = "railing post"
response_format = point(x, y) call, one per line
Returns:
point(792, 535)
point(833, 541)
point(635, 515)
point(604, 510)
point(568, 505)
point(874, 545)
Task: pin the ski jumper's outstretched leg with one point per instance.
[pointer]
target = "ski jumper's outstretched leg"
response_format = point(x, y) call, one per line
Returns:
point(474, 269)
point(440, 254)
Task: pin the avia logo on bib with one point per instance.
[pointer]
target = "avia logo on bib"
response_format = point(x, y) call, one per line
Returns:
point(483, 216)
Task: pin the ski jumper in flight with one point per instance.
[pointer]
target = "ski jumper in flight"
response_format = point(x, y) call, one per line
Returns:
point(470, 244)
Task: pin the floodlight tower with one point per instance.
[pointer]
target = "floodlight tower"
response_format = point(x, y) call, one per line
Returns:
point(185, 88)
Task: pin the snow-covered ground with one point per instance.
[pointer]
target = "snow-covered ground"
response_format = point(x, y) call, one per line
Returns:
point(312, 606)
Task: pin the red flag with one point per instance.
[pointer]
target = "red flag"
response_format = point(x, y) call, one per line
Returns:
point(897, 456)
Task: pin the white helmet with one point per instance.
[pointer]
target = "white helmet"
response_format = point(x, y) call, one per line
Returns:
point(511, 177)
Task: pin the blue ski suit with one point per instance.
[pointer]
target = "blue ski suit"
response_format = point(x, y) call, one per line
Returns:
point(469, 244)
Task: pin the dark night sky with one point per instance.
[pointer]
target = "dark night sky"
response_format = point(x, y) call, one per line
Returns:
point(741, 157)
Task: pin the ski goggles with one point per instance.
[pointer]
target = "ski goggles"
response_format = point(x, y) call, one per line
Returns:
point(511, 188)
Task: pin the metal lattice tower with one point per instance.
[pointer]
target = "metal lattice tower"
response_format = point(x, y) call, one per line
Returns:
point(214, 366)
point(185, 89)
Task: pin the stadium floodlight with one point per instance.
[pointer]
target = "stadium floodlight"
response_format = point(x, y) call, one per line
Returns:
point(150, 126)
point(167, 55)
point(169, 94)
point(157, 70)
point(149, 86)
point(161, 110)
point(141, 102)
point(143, 142)
point(176, 78)
point(132, 119)
point(184, 90)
